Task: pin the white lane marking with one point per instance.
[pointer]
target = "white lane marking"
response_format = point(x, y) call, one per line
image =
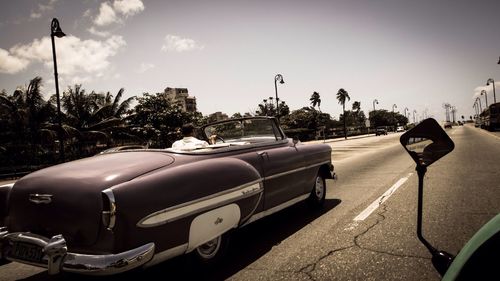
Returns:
point(373, 206)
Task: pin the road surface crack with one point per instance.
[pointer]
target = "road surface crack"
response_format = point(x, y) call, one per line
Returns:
point(311, 267)
point(381, 218)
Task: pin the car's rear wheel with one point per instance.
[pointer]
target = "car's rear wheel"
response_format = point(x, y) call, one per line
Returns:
point(318, 193)
point(213, 250)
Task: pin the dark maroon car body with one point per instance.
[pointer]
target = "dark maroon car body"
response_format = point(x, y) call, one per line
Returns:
point(116, 211)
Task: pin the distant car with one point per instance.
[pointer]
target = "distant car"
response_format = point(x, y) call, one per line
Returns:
point(380, 131)
point(400, 129)
point(447, 125)
point(116, 211)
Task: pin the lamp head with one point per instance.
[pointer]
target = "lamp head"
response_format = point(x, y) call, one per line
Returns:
point(56, 29)
point(279, 78)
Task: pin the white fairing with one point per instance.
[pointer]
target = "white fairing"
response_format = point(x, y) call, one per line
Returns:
point(212, 224)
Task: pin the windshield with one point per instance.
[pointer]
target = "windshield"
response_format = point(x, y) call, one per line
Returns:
point(248, 130)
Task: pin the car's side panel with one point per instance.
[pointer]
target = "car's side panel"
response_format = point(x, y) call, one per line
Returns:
point(174, 198)
point(314, 157)
point(283, 175)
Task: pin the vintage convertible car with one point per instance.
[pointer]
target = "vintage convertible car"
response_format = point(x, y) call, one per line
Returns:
point(117, 211)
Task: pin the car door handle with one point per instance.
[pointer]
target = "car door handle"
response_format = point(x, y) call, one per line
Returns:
point(263, 154)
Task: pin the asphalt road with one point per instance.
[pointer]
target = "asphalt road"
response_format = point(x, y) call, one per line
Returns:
point(347, 240)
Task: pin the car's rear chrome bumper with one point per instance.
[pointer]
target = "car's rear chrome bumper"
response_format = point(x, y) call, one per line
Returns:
point(56, 258)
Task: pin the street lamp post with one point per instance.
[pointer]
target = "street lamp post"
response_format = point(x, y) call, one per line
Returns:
point(483, 92)
point(393, 117)
point(491, 81)
point(277, 78)
point(55, 31)
point(480, 106)
point(375, 101)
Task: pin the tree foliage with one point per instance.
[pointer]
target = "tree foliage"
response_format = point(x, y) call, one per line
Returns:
point(315, 100)
point(268, 108)
point(382, 117)
point(157, 121)
point(342, 97)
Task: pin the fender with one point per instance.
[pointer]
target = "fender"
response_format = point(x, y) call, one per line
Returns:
point(212, 224)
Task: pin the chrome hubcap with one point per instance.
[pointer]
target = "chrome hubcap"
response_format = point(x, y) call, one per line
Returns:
point(209, 249)
point(319, 187)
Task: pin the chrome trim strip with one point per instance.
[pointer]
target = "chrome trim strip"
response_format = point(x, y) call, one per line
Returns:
point(56, 258)
point(40, 198)
point(295, 170)
point(254, 208)
point(112, 208)
point(276, 209)
point(215, 200)
point(166, 255)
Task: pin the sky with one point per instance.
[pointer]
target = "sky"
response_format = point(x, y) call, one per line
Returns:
point(412, 54)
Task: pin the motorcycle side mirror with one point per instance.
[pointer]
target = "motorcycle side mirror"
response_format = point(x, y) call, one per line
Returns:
point(427, 142)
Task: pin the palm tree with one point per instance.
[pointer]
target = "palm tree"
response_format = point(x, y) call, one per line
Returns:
point(315, 100)
point(111, 113)
point(342, 96)
point(27, 119)
point(356, 106)
point(109, 107)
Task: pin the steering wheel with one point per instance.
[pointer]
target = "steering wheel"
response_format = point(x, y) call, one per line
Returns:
point(217, 137)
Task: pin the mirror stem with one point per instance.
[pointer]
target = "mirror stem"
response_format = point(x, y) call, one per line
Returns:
point(421, 173)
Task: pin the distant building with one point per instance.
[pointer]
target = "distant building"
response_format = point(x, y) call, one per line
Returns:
point(217, 116)
point(181, 97)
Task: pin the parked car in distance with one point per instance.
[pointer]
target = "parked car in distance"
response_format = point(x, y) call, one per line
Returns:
point(113, 212)
point(400, 129)
point(447, 125)
point(380, 131)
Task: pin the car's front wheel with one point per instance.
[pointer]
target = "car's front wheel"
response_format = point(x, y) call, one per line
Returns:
point(318, 193)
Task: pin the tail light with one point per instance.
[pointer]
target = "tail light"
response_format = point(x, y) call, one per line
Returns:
point(108, 209)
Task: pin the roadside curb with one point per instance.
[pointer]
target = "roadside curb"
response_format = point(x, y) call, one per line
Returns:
point(486, 132)
point(341, 139)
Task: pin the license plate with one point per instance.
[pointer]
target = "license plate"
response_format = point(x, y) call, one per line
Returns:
point(27, 252)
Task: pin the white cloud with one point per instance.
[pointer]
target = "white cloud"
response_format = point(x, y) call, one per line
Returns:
point(48, 7)
point(87, 13)
point(35, 15)
point(42, 9)
point(145, 67)
point(96, 32)
point(10, 64)
point(128, 7)
point(178, 44)
point(106, 15)
point(76, 58)
point(109, 13)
